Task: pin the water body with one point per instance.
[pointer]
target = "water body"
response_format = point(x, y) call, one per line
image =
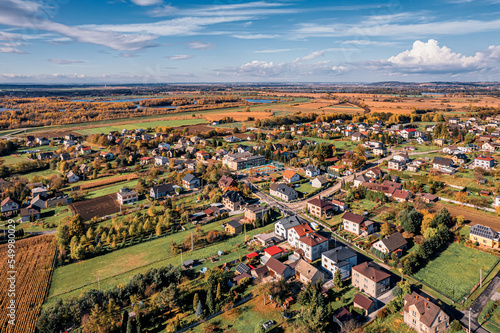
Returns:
point(114, 100)
point(432, 94)
point(5, 109)
point(261, 100)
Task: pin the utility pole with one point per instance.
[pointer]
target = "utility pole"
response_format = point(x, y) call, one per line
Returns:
point(480, 278)
point(469, 318)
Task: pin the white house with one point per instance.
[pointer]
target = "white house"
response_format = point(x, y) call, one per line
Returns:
point(339, 258)
point(282, 226)
point(312, 171)
point(72, 178)
point(161, 160)
point(313, 246)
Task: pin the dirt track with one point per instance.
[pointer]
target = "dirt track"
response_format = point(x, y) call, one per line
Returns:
point(472, 216)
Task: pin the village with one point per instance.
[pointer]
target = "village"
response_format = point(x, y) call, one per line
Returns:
point(360, 225)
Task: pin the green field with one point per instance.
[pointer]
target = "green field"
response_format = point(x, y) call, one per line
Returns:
point(305, 188)
point(119, 266)
point(456, 270)
point(143, 125)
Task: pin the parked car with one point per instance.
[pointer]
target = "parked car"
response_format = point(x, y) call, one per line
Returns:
point(268, 324)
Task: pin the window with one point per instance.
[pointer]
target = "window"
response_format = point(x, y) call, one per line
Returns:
point(414, 322)
point(414, 313)
point(439, 319)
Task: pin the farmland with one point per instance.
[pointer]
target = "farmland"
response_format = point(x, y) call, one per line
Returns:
point(99, 206)
point(34, 257)
point(456, 270)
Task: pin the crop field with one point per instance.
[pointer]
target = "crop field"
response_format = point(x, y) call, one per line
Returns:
point(107, 181)
point(34, 257)
point(470, 214)
point(456, 271)
point(100, 206)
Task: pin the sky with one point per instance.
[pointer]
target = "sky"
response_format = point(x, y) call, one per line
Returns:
point(155, 41)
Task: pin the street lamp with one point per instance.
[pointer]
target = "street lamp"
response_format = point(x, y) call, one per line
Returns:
point(469, 319)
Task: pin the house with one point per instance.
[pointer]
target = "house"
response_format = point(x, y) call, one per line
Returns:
point(125, 196)
point(380, 151)
point(312, 171)
point(72, 178)
point(357, 136)
point(339, 206)
point(423, 315)
point(282, 226)
point(313, 246)
point(402, 157)
point(459, 158)
point(234, 227)
point(161, 160)
point(267, 239)
point(242, 268)
point(106, 155)
point(9, 206)
point(254, 212)
point(353, 223)
point(65, 157)
point(360, 179)
point(225, 182)
point(260, 272)
point(283, 192)
point(408, 133)
point(274, 252)
point(307, 273)
point(363, 302)
point(297, 232)
point(190, 181)
point(394, 243)
point(401, 195)
point(374, 173)
point(30, 213)
point(46, 156)
point(290, 176)
point(485, 162)
point(202, 155)
point(439, 163)
point(242, 148)
point(429, 198)
point(161, 191)
point(439, 142)
point(396, 165)
point(42, 141)
point(319, 182)
point(39, 191)
point(318, 207)
point(279, 270)
point(484, 235)
point(83, 168)
point(145, 160)
point(85, 150)
point(339, 258)
point(370, 279)
point(232, 200)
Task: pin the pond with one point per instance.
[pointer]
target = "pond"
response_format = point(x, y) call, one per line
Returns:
point(261, 100)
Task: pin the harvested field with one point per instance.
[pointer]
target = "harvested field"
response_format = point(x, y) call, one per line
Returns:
point(473, 215)
point(194, 129)
point(238, 115)
point(97, 207)
point(108, 181)
point(57, 133)
point(34, 257)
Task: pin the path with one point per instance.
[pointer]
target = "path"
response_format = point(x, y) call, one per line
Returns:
point(467, 204)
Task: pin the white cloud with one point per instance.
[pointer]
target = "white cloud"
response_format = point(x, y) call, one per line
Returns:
point(201, 45)
point(65, 62)
point(431, 58)
point(299, 68)
point(11, 49)
point(147, 2)
point(273, 51)
point(33, 16)
point(180, 57)
point(256, 8)
point(256, 36)
point(387, 28)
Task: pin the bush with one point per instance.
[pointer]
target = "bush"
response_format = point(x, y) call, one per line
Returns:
point(455, 326)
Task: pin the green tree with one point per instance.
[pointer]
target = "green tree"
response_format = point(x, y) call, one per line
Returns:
point(196, 300)
point(337, 279)
point(199, 310)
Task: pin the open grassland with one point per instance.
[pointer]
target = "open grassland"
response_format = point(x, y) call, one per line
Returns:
point(119, 266)
point(493, 323)
point(456, 270)
point(144, 125)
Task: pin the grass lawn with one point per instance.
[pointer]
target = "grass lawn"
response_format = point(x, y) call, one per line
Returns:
point(104, 190)
point(455, 271)
point(391, 324)
point(304, 188)
point(492, 324)
point(143, 125)
point(119, 266)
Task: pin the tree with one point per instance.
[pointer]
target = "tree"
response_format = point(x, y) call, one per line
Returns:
point(337, 279)
point(386, 229)
point(199, 310)
point(210, 302)
point(196, 299)
point(124, 322)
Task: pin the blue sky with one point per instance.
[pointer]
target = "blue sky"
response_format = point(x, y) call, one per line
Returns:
point(155, 41)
